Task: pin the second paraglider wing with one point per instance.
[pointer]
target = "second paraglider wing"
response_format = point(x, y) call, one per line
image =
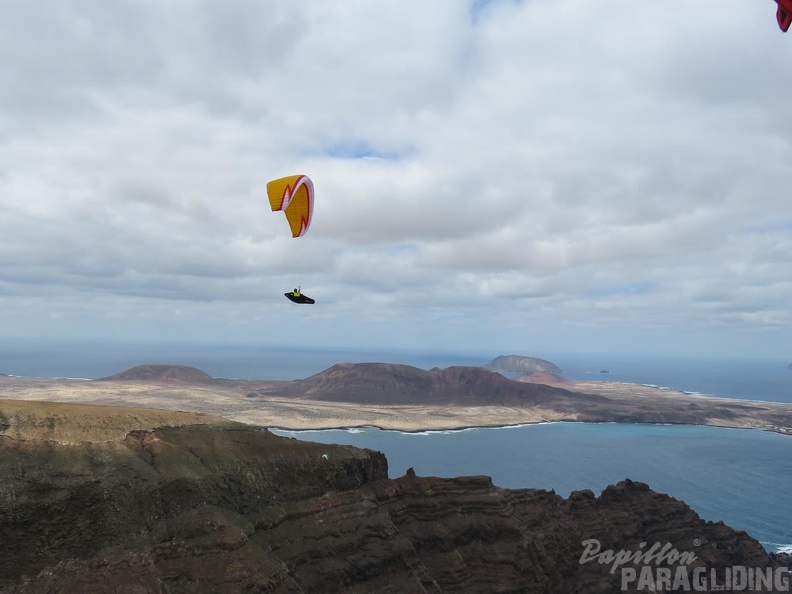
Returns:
point(784, 14)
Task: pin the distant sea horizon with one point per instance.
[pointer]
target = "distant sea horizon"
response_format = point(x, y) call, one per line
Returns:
point(746, 378)
point(742, 477)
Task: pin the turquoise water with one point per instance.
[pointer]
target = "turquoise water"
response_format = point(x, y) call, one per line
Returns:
point(738, 476)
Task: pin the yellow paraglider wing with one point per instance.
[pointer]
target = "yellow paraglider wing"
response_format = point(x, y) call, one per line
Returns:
point(294, 195)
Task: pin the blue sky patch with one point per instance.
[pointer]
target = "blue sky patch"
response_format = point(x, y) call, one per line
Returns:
point(359, 150)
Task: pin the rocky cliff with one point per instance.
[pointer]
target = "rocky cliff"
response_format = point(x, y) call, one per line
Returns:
point(204, 505)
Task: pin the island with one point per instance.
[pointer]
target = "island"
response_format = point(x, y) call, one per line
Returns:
point(521, 364)
point(402, 397)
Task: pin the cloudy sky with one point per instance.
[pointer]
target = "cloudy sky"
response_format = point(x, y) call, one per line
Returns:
point(491, 175)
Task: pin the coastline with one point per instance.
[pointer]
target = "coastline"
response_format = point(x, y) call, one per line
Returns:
point(461, 429)
point(447, 430)
point(242, 401)
point(148, 404)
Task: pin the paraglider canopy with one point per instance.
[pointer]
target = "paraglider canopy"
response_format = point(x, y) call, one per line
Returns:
point(784, 14)
point(294, 195)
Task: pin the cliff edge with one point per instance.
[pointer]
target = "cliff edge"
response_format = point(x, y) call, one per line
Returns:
point(194, 505)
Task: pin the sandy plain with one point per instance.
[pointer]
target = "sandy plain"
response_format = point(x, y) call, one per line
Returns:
point(242, 401)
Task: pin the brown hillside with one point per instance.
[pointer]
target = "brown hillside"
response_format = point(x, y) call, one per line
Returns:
point(386, 383)
point(67, 423)
point(175, 374)
point(543, 377)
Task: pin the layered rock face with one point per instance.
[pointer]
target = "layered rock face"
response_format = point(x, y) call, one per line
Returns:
point(233, 508)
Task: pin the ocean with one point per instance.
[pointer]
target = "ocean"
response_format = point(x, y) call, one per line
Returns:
point(739, 476)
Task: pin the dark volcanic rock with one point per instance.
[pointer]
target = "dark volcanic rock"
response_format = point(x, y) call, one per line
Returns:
point(177, 500)
point(236, 509)
point(520, 364)
point(386, 383)
point(177, 374)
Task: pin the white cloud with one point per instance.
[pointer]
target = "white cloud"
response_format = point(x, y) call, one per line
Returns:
point(482, 168)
